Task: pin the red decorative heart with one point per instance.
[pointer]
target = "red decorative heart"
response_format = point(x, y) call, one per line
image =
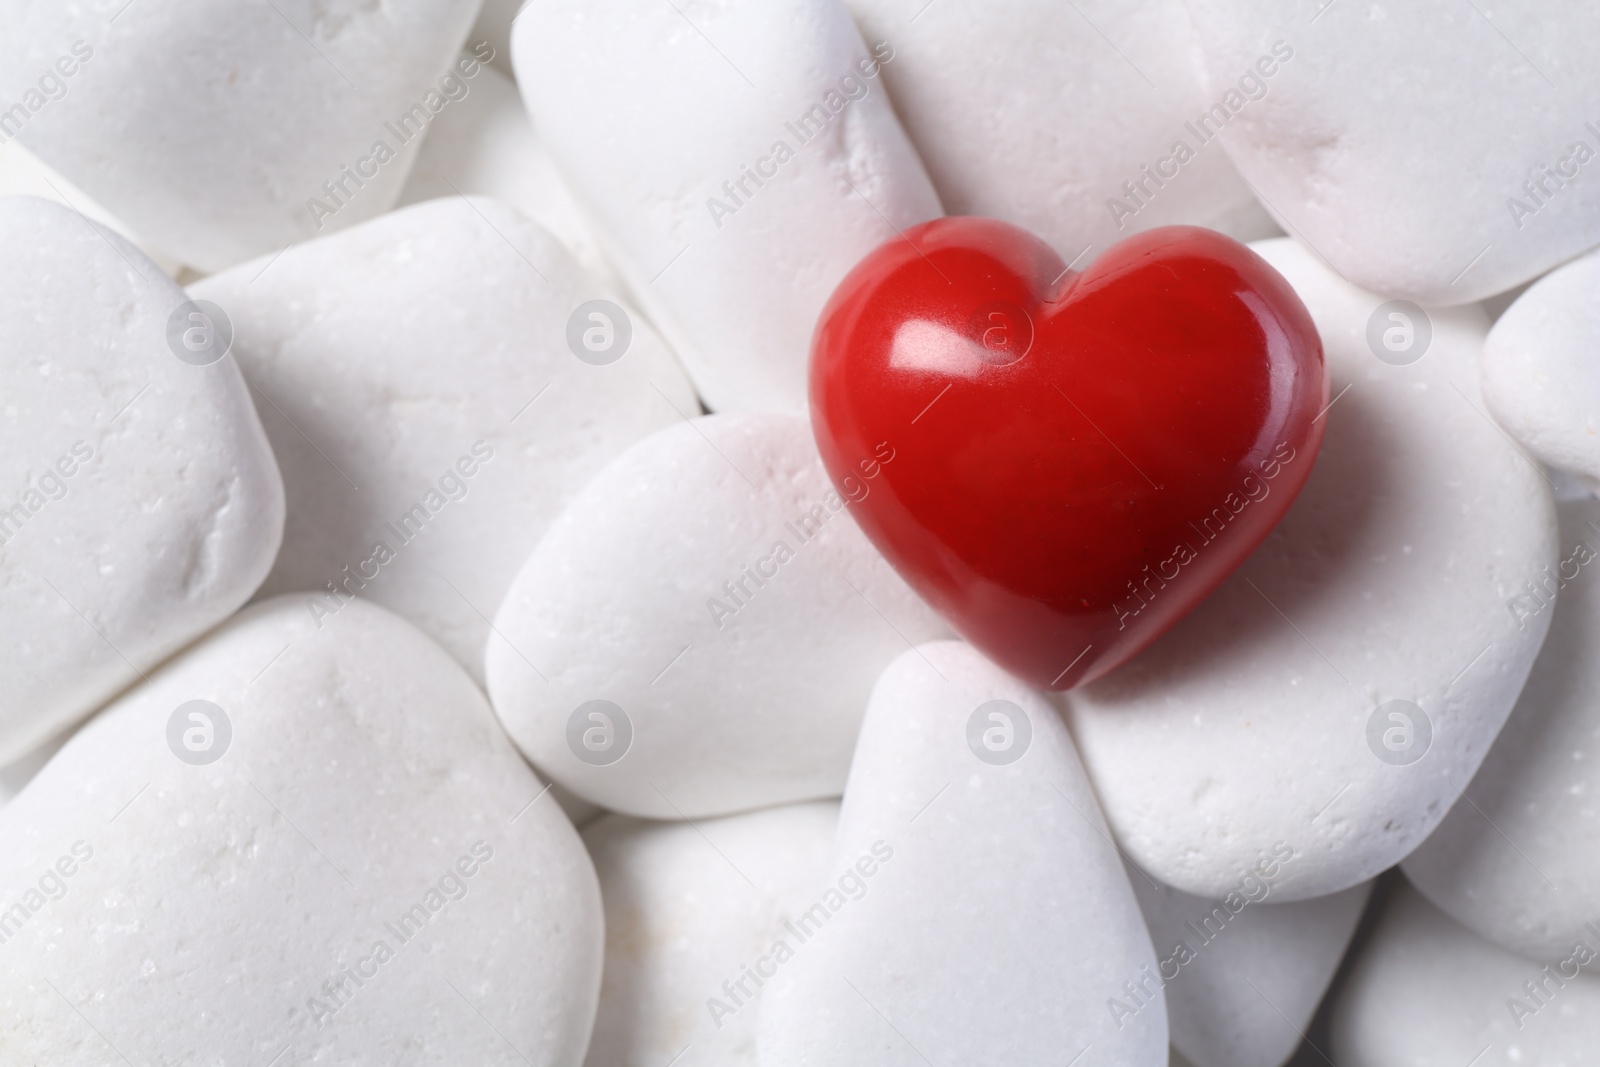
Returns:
point(1075, 460)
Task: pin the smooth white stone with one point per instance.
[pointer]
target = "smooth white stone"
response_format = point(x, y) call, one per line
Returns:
point(1520, 864)
point(692, 912)
point(210, 128)
point(1387, 580)
point(387, 356)
point(1416, 200)
point(139, 501)
point(649, 110)
point(1426, 991)
point(996, 922)
point(361, 765)
point(1541, 368)
point(484, 145)
point(1038, 112)
point(1244, 974)
point(735, 701)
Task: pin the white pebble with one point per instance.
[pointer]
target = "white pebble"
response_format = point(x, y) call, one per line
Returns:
point(989, 919)
point(1387, 581)
point(215, 130)
point(416, 377)
point(696, 923)
point(710, 590)
point(1074, 121)
point(1541, 368)
point(139, 501)
point(1520, 863)
point(738, 159)
point(333, 851)
point(1243, 975)
point(1426, 991)
point(1440, 196)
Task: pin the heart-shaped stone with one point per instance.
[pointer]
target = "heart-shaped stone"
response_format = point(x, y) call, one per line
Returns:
point(1083, 456)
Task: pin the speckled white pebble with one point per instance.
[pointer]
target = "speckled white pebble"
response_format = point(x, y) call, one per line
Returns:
point(212, 128)
point(710, 585)
point(1388, 580)
point(695, 926)
point(1065, 119)
point(361, 872)
point(1520, 864)
point(139, 501)
point(1414, 168)
point(415, 377)
point(1541, 368)
point(1242, 975)
point(1426, 991)
point(995, 924)
point(657, 113)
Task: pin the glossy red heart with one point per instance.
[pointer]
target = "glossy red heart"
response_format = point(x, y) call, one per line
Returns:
point(1064, 464)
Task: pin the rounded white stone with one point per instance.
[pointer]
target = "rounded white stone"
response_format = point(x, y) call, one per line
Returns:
point(710, 587)
point(1435, 200)
point(1427, 991)
point(358, 793)
point(484, 145)
point(211, 129)
point(1520, 863)
point(654, 113)
point(416, 379)
point(1388, 580)
point(139, 501)
point(1062, 118)
point(695, 916)
point(1243, 975)
point(494, 26)
point(987, 918)
point(1541, 368)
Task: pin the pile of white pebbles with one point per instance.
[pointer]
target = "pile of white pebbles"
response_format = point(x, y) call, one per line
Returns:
point(400, 665)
